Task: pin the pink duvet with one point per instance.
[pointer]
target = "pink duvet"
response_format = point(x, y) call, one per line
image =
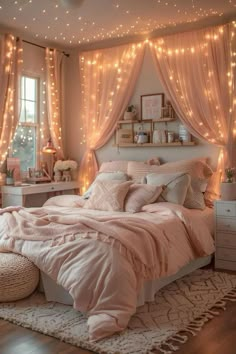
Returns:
point(102, 258)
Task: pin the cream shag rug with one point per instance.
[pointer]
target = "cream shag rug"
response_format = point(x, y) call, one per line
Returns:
point(185, 305)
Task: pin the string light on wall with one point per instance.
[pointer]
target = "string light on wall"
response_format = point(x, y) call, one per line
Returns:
point(11, 63)
point(112, 69)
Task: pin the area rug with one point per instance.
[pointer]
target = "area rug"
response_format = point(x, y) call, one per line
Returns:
point(183, 306)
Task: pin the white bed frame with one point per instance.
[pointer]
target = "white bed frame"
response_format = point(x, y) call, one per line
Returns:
point(55, 292)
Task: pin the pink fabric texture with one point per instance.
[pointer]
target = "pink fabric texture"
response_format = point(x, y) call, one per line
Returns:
point(137, 170)
point(108, 80)
point(114, 166)
point(140, 195)
point(195, 71)
point(108, 195)
point(102, 258)
point(73, 201)
point(10, 69)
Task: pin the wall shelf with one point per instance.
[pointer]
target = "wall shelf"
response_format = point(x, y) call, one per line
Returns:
point(191, 143)
point(128, 134)
point(163, 120)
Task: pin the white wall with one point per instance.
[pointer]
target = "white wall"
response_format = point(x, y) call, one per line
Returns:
point(148, 82)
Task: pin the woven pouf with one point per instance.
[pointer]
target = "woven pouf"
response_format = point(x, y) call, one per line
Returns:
point(18, 277)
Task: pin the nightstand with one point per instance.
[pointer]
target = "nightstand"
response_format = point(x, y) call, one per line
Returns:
point(35, 195)
point(225, 234)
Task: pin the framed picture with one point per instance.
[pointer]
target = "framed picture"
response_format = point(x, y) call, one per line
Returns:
point(151, 106)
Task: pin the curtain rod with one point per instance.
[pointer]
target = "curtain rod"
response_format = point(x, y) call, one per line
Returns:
point(41, 46)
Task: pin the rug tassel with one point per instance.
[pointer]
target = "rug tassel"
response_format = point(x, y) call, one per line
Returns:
point(180, 338)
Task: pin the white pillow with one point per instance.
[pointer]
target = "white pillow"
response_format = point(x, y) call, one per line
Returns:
point(73, 201)
point(175, 186)
point(106, 176)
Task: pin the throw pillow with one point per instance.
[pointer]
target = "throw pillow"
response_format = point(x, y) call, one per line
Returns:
point(175, 186)
point(140, 195)
point(105, 176)
point(108, 195)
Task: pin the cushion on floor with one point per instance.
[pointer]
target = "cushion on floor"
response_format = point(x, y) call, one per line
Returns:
point(18, 277)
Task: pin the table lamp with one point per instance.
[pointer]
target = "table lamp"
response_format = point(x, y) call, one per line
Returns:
point(50, 149)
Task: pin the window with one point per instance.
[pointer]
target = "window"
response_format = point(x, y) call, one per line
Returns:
point(25, 140)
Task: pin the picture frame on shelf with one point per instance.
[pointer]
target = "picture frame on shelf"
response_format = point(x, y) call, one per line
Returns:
point(151, 106)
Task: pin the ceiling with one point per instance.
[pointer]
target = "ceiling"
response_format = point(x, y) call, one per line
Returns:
point(99, 21)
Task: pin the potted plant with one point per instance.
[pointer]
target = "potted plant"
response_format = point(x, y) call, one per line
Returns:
point(228, 187)
point(130, 113)
point(10, 176)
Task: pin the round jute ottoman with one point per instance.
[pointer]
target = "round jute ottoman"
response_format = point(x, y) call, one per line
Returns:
point(18, 277)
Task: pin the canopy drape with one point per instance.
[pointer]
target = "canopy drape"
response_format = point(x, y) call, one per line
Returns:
point(196, 71)
point(108, 78)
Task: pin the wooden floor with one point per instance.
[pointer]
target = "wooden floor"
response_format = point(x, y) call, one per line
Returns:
point(218, 336)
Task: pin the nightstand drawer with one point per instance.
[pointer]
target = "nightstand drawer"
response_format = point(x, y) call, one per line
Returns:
point(226, 254)
point(226, 240)
point(226, 224)
point(225, 264)
point(226, 209)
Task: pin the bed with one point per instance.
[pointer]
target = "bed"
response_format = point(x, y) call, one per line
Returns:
point(107, 261)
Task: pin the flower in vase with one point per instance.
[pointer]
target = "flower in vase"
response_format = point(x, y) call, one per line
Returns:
point(65, 165)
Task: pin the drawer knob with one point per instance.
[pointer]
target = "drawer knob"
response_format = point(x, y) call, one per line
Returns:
point(228, 210)
point(52, 188)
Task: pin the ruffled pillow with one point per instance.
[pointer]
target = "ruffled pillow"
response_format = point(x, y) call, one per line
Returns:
point(140, 195)
point(108, 195)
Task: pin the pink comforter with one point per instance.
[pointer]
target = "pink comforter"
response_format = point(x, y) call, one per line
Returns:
point(102, 258)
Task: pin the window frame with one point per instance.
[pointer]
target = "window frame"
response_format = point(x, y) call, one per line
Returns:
point(36, 124)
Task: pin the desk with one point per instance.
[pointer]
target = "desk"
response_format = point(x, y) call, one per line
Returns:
point(35, 195)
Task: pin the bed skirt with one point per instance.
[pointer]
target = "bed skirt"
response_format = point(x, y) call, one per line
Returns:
point(57, 293)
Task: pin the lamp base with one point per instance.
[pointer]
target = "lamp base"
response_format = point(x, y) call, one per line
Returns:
point(228, 191)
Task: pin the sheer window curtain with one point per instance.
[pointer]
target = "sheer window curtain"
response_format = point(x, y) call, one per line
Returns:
point(10, 70)
point(196, 71)
point(108, 78)
point(54, 94)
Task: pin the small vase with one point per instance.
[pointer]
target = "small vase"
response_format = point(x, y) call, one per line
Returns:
point(9, 181)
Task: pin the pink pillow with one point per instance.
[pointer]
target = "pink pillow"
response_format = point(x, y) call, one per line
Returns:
point(140, 195)
point(108, 195)
point(137, 170)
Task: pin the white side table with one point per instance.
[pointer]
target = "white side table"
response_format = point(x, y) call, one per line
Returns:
point(35, 195)
point(225, 234)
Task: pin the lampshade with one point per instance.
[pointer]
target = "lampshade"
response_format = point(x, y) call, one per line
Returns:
point(49, 148)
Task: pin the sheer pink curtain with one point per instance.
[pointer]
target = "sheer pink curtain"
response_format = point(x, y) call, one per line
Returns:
point(108, 77)
point(10, 65)
point(54, 90)
point(195, 70)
